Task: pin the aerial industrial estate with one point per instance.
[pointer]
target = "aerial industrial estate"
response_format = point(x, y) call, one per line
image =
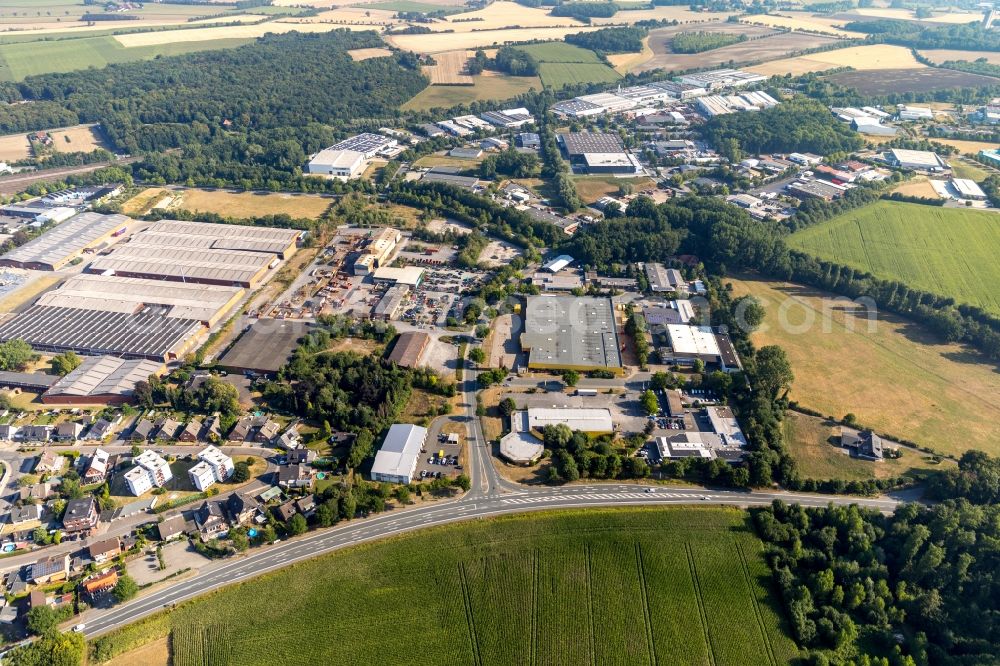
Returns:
point(653, 313)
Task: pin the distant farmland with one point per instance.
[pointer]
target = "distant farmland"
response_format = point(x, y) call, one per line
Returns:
point(564, 64)
point(602, 586)
point(948, 251)
point(891, 81)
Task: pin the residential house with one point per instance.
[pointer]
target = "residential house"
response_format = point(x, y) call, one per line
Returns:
point(101, 582)
point(166, 428)
point(8, 612)
point(267, 432)
point(241, 431)
point(306, 505)
point(97, 469)
point(170, 527)
point(49, 569)
point(142, 430)
point(210, 521)
point(295, 476)
point(301, 456)
point(68, 431)
point(101, 430)
point(50, 462)
point(20, 515)
point(8, 432)
point(241, 508)
point(211, 432)
point(865, 444)
point(36, 599)
point(102, 551)
point(80, 516)
point(190, 431)
point(289, 440)
point(36, 433)
point(284, 512)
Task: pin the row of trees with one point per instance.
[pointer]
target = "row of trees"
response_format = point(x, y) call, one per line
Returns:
point(610, 40)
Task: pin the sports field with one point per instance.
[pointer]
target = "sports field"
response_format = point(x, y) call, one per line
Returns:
point(894, 377)
point(947, 251)
point(488, 85)
point(636, 586)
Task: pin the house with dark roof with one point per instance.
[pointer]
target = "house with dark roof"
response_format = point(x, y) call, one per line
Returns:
point(284, 512)
point(102, 551)
point(241, 508)
point(170, 527)
point(211, 521)
point(80, 516)
point(68, 431)
point(190, 432)
point(295, 476)
point(49, 569)
point(36, 433)
point(301, 456)
point(166, 428)
point(864, 444)
point(142, 430)
point(267, 432)
point(241, 430)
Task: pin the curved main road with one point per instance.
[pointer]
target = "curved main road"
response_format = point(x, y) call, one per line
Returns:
point(490, 495)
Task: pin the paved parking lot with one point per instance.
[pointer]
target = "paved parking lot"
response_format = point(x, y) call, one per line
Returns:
point(178, 555)
point(431, 462)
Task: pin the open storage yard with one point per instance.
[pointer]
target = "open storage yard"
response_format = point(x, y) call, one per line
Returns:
point(563, 587)
point(890, 81)
point(946, 251)
point(764, 44)
point(231, 204)
point(896, 378)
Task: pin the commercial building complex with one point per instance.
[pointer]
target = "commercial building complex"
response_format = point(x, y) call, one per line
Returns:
point(396, 461)
point(377, 250)
point(105, 380)
point(922, 160)
point(569, 333)
point(721, 78)
point(62, 244)
point(598, 152)
point(348, 158)
point(688, 344)
point(151, 471)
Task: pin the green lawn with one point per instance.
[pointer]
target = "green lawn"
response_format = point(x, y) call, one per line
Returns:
point(560, 52)
point(633, 586)
point(18, 60)
point(948, 251)
point(559, 74)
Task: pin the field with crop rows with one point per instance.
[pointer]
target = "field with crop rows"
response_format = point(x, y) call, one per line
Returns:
point(560, 52)
point(605, 586)
point(946, 251)
point(560, 74)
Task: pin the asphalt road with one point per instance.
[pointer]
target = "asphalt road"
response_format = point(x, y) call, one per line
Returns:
point(490, 495)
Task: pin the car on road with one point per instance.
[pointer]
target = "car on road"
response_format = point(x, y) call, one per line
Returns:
point(650, 490)
point(79, 628)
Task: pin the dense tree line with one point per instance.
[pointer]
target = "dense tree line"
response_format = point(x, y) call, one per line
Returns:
point(699, 41)
point(509, 163)
point(575, 456)
point(798, 124)
point(515, 62)
point(976, 479)
point(610, 40)
point(585, 10)
point(916, 587)
point(967, 37)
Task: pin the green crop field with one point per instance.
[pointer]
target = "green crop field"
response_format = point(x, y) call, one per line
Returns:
point(947, 251)
point(559, 74)
point(560, 52)
point(604, 586)
point(19, 60)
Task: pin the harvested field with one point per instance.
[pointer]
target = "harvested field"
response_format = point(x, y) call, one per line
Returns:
point(366, 54)
point(14, 147)
point(669, 13)
point(251, 204)
point(626, 62)
point(861, 58)
point(873, 13)
point(968, 146)
point(895, 378)
point(504, 14)
point(890, 81)
point(488, 85)
point(227, 32)
point(938, 56)
point(802, 21)
point(85, 138)
point(592, 188)
point(451, 69)
point(764, 48)
point(438, 42)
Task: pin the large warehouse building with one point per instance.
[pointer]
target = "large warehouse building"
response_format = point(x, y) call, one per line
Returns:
point(63, 243)
point(396, 461)
point(570, 333)
point(221, 254)
point(101, 380)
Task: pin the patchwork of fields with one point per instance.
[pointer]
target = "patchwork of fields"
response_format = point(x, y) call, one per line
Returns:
point(488, 85)
point(564, 64)
point(890, 81)
point(894, 376)
point(861, 58)
point(677, 586)
point(946, 251)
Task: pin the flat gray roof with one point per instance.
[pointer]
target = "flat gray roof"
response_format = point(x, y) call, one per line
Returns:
point(266, 347)
point(581, 143)
point(571, 332)
point(64, 241)
point(104, 375)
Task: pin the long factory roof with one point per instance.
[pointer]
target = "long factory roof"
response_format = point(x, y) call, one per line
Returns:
point(62, 242)
point(104, 375)
point(571, 331)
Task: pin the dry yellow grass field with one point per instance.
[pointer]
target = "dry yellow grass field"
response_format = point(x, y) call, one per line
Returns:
point(803, 22)
point(918, 186)
point(626, 62)
point(365, 54)
point(450, 69)
point(143, 202)
point(968, 146)
point(14, 147)
point(863, 58)
point(454, 41)
point(349, 15)
point(943, 55)
point(227, 32)
point(80, 139)
point(505, 14)
point(250, 204)
point(894, 379)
